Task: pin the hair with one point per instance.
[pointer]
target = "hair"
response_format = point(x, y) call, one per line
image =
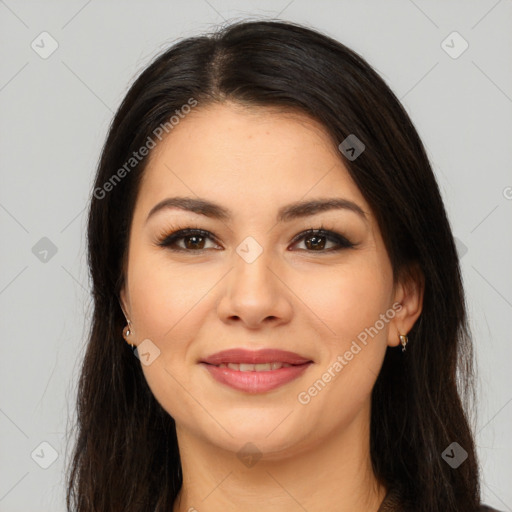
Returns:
point(126, 453)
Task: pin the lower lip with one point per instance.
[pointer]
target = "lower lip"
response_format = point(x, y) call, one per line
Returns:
point(256, 382)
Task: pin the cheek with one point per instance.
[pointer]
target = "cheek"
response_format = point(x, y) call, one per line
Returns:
point(350, 301)
point(169, 306)
point(165, 296)
point(347, 299)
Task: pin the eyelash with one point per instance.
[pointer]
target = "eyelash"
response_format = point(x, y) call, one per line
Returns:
point(167, 240)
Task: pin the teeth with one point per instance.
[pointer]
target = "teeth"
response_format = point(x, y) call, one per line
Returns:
point(261, 367)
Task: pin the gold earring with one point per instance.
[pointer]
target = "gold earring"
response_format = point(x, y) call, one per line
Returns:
point(403, 340)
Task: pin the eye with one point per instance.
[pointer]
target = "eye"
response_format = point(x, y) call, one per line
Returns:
point(317, 239)
point(194, 240)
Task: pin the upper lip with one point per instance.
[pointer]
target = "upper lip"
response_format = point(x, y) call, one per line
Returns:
point(266, 355)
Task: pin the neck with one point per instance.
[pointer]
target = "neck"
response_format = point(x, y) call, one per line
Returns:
point(332, 474)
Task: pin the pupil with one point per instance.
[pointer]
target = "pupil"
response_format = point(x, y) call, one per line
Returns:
point(316, 243)
point(194, 239)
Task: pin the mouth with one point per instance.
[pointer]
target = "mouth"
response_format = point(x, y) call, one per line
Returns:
point(241, 356)
point(255, 371)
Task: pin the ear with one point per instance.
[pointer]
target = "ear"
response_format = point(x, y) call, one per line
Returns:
point(409, 294)
point(124, 302)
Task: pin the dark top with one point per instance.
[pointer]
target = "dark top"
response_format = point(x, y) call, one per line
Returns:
point(393, 502)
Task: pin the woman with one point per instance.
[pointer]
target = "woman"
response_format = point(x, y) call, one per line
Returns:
point(267, 234)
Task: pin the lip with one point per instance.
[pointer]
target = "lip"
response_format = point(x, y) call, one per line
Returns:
point(255, 381)
point(266, 355)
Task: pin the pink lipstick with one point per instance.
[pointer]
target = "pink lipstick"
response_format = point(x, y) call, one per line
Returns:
point(255, 371)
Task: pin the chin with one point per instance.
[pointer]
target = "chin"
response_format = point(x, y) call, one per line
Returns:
point(270, 435)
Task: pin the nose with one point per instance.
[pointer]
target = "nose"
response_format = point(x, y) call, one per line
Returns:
point(255, 293)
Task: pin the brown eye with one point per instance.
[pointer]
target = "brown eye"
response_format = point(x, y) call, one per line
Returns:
point(316, 239)
point(194, 240)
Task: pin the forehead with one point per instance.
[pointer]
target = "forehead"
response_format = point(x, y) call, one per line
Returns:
point(251, 158)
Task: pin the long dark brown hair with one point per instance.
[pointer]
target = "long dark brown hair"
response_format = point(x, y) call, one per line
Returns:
point(125, 454)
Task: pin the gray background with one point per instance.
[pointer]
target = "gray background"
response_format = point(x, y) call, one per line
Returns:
point(55, 114)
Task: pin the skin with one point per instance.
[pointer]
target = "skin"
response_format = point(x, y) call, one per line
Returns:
point(314, 302)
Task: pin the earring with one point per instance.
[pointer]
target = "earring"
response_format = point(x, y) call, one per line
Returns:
point(403, 340)
point(127, 331)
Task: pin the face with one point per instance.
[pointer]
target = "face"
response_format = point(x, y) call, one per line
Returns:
point(256, 279)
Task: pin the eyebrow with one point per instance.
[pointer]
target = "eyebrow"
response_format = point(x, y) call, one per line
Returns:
point(286, 213)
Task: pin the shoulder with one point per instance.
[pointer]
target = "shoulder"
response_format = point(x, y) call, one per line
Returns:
point(485, 508)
